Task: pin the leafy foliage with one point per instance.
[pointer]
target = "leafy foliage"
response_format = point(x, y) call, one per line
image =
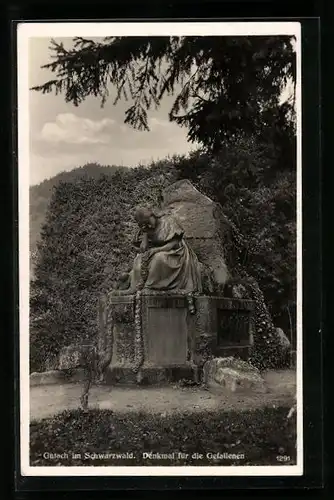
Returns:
point(258, 195)
point(223, 86)
point(227, 93)
point(86, 242)
point(40, 195)
point(260, 435)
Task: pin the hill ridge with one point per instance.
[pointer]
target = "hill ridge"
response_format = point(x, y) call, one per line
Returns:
point(40, 194)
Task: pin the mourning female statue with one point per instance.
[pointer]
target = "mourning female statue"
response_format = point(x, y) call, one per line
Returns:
point(165, 261)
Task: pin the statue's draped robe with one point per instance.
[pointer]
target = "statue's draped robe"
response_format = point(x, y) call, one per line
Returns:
point(175, 268)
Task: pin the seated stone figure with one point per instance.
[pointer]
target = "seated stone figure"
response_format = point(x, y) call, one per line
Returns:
point(165, 261)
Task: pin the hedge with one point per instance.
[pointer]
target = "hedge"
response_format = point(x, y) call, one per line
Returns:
point(252, 437)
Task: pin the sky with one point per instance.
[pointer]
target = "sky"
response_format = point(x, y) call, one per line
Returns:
point(63, 137)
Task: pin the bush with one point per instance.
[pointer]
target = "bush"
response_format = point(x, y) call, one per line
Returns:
point(260, 435)
point(258, 195)
point(86, 242)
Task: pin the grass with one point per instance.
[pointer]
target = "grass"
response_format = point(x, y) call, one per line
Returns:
point(258, 436)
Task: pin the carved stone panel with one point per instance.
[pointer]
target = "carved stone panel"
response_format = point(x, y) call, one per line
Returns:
point(124, 345)
point(233, 327)
point(122, 309)
point(165, 330)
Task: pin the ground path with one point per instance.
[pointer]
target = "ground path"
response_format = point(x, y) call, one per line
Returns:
point(47, 400)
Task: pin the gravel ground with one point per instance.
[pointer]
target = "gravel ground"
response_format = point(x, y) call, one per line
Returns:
point(48, 400)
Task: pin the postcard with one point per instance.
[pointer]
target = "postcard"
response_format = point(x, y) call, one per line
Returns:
point(160, 251)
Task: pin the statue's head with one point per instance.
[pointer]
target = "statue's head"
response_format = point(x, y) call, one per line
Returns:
point(145, 217)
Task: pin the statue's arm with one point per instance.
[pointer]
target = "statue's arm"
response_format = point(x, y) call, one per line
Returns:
point(169, 245)
point(144, 243)
point(137, 240)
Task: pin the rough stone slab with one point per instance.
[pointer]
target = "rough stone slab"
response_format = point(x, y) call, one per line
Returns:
point(283, 339)
point(55, 377)
point(50, 377)
point(202, 224)
point(233, 375)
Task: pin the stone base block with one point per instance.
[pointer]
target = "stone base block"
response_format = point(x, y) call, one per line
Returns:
point(150, 375)
point(233, 375)
point(174, 341)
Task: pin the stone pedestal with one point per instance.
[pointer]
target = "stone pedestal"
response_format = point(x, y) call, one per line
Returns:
point(174, 344)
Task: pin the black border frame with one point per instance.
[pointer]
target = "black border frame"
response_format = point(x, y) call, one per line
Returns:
point(312, 295)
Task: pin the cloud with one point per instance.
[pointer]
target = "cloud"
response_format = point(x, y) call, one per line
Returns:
point(156, 123)
point(71, 129)
point(69, 141)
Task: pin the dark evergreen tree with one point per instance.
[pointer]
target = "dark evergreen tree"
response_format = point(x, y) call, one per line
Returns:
point(222, 85)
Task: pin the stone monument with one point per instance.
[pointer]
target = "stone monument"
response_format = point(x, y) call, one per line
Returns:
point(170, 315)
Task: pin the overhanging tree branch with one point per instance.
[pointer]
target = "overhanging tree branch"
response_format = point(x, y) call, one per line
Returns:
point(236, 78)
